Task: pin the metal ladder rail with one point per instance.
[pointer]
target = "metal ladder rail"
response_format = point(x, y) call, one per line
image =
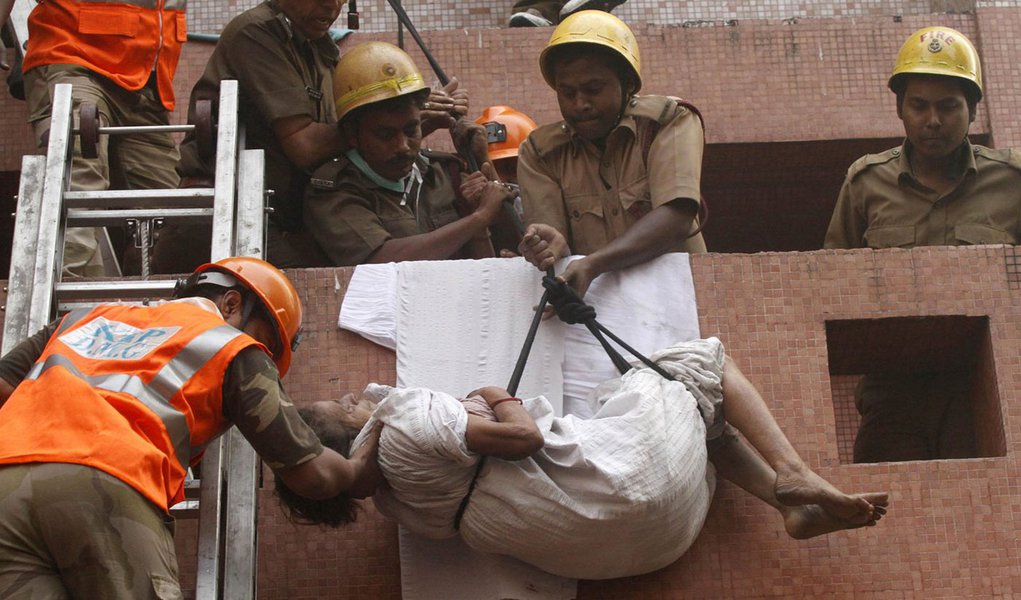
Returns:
point(40, 221)
point(228, 555)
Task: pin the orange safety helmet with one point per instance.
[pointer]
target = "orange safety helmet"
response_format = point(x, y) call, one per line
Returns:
point(938, 51)
point(506, 130)
point(273, 289)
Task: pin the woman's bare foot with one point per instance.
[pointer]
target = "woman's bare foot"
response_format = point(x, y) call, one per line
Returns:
point(806, 487)
point(810, 520)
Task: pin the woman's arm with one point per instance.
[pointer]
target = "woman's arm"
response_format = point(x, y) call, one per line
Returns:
point(512, 437)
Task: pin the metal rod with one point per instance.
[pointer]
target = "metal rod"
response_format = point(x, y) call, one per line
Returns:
point(406, 21)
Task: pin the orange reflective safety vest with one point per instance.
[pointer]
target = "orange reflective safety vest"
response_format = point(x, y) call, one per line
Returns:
point(122, 41)
point(133, 391)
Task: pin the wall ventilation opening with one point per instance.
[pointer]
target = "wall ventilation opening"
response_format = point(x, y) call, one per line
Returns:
point(941, 370)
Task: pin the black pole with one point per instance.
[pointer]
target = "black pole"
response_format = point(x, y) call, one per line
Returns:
point(406, 22)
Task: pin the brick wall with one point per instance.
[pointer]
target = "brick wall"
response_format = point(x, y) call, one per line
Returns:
point(951, 529)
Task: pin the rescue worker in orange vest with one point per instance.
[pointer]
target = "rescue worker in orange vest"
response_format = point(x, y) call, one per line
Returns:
point(120, 56)
point(617, 180)
point(102, 413)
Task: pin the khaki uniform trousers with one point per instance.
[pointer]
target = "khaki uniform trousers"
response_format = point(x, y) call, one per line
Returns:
point(71, 531)
point(131, 161)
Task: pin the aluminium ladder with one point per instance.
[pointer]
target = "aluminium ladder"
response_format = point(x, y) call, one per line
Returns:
point(235, 207)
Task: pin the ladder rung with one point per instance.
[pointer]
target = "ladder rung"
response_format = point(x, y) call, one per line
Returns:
point(192, 489)
point(145, 129)
point(170, 198)
point(113, 218)
point(126, 288)
point(186, 509)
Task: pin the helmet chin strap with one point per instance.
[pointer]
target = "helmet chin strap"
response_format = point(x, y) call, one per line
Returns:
point(247, 307)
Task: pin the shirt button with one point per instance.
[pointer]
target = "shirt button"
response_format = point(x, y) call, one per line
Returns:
point(896, 152)
point(575, 214)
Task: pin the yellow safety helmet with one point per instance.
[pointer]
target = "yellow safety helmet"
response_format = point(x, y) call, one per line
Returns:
point(593, 27)
point(938, 51)
point(506, 129)
point(273, 289)
point(371, 72)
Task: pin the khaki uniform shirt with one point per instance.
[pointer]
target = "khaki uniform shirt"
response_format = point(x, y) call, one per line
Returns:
point(280, 74)
point(350, 216)
point(883, 205)
point(593, 197)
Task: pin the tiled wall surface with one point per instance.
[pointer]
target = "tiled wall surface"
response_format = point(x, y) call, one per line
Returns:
point(952, 524)
point(207, 16)
point(766, 78)
point(756, 81)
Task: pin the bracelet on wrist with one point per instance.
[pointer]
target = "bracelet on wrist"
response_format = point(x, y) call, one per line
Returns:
point(502, 400)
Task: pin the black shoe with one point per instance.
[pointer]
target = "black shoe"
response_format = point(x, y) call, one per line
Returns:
point(578, 5)
point(529, 18)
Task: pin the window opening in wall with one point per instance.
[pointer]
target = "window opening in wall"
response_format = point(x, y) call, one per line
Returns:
point(779, 196)
point(914, 388)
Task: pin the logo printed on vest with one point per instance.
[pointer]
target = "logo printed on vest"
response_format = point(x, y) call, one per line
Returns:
point(102, 338)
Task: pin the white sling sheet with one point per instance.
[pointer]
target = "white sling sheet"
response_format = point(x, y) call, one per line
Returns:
point(445, 309)
point(623, 493)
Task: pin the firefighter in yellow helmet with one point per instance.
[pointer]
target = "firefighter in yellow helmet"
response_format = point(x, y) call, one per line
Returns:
point(618, 179)
point(102, 413)
point(935, 189)
point(385, 199)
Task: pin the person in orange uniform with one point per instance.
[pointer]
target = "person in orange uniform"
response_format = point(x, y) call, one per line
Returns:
point(102, 413)
point(120, 56)
point(617, 180)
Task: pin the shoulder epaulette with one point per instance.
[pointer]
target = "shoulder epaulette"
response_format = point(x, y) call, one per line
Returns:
point(547, 138)
point(871, 160)
point(328, 174)
point(1007, 156)
point(661, 109)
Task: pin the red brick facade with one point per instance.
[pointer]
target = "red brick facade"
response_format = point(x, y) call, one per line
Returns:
point(788, 107)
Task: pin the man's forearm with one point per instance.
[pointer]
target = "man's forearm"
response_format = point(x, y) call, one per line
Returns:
point(307, 143)
point(435, 245)
point(661, 231)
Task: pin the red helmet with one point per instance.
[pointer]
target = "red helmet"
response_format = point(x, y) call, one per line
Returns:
point(276, 293)
point(506, 129)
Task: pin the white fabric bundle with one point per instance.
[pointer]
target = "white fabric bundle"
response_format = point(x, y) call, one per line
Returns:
point(623, 493)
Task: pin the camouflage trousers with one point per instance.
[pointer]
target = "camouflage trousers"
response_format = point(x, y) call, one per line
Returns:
point(70, 531)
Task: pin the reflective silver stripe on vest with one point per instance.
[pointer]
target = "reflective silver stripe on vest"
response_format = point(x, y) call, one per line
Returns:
point(163, 387)
point(71, 318)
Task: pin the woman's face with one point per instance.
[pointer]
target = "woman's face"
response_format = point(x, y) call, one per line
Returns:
point(349, 411)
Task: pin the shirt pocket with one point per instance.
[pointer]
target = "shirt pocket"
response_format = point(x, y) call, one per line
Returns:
point(108, 20)
point(891, 237)
point(977, 233)
point(636, 198)
point(586, 223)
